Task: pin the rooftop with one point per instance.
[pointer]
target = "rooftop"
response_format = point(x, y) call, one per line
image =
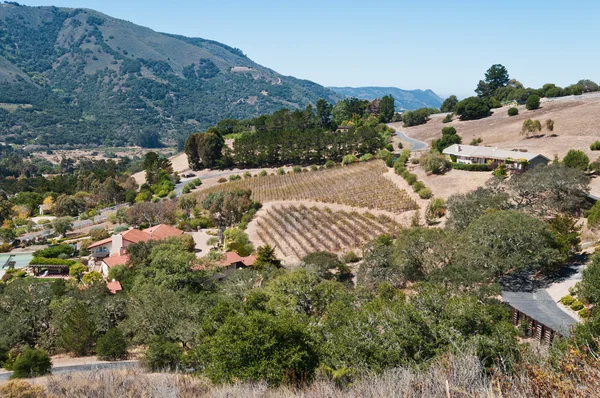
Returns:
point(488, 152)
point(116, 260)
point(114, 286)
point(160, 231)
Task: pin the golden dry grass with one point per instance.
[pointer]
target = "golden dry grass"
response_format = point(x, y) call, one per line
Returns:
point(358, 185)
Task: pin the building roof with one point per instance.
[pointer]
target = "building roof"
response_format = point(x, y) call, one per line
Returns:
point(113, 261)
point(249, 261)
point(542, 308)
point(114, 286)
point(160, 231)
point(489, 152)
point(231, 258)
point(163, 231)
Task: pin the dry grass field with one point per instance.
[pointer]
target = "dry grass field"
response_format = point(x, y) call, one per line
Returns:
point(296, 230)
point(359, 185)
point(577, 125)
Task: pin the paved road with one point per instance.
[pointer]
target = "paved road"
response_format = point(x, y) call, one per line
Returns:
point(415, 145)
point(56, 370)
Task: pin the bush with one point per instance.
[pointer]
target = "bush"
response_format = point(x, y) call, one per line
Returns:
point(593, 216)
point(447, 118)
point(55, 251)
point(51, 261)
point(297, 169)
point(476, 141)
point(533, 102)
point(222, 180)
point(576, 159)
point(329, 164)
point(436, 209)
point(576, 305)
point(281, 171)
point(584, 313)
point(162, 355)
point(349, 159)
point(470, 167)
point(435, 163)
point(112, 346)
point(595, 146)
point(366, 157)
point(425, 193)
point(513, 111)
point(410, 178)
point(418, 185)
point(500, 171)
point(567, 300)
point(234, 177)
point(350, 257)
point(472, 108)
point(31, 363)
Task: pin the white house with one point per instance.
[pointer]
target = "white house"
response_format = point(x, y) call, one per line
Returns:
point(470, 154)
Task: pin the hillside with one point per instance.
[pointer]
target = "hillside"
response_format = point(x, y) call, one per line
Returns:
point(405, 99)
point(93, 79)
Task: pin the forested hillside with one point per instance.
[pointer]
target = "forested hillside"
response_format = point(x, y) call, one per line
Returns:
point(80, 77)
point(405, 99)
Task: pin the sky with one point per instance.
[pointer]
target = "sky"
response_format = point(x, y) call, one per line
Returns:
point(443, 45)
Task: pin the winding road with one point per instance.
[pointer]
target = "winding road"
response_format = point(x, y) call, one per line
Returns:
point(415, 145)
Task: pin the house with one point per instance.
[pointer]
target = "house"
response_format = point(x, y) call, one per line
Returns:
point(230, 263)
point(538, 312)
point(116, 244)
point(470, 154)
point(344, 129)
point(111, 252)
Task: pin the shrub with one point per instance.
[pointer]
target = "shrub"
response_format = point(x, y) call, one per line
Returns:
point(513, 111)
point(593, 216)
point(112, 346)
point(425, 193)
point(297, 169)
point(533, 102)
point(21, 389)
point(234, 177)
point(576, 159)
point(349, 159)
point(222, 180)
point(350, 257)
point(500, 171)
point(436, 209)
point(51, 261)
point(418, 185)
point(476, 141)
point(447, 118)
point(31, 363)
point(55, 251)
point(567, 300)
point(435, 163)
point(197, 182)
point(281, 171)
point(584, 313)
point(470, 167)
point(472, 108)
point(410, 178)
point(595, 146)
point(186, 189)
point(329, 164)
point(366, 157)
point(576, 305)
point(162, 355)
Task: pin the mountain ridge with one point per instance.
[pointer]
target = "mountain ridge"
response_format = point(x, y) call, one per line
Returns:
point(405, 99)
point(90, 78)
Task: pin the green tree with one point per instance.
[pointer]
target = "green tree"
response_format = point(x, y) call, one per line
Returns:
point(466, 208)
point(62, 225)
point(472, 108)
point(531, 127)
point(326, 265)
point(576, 159)
point(420, 251)
point(203, 150)
point(566, 232)
point(449, 104)
point(75, 326)
point(227, 208)
point(7, 235)
point(162, 355)
point(533, 102)
point(588, 85)
point(378, 265)
point(31, 363)
point(325, 114)
point(6, 210)
point(77, 270)
point(501, 241)
point(112, 346)
point(386, 109)
point(265, 258)
point(496, 77)
point(589, 287)
point(259, 346)
point(593, 216)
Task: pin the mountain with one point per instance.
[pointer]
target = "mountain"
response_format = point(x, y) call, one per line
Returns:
point(405, 99)
point(76, 76)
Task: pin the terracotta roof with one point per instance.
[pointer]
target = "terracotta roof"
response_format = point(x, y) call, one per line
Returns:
point(116, 260)
point(100, 243)
point(163, 231)
point(249, 261)
point(135, 236)
point(230, 258)
point(114, 287)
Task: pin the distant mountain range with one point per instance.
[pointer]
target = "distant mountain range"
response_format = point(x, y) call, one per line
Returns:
point(76, 76)
point(405, 99)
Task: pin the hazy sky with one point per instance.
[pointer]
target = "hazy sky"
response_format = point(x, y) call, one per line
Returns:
point(443, 45)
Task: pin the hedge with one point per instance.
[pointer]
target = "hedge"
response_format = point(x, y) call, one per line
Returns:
point(51, 261)
point(470, 167)
point(55, 251)
point(567, 300)
point(577, 305)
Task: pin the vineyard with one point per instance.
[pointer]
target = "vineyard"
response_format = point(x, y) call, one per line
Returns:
point(358, 185)
point(297, 230)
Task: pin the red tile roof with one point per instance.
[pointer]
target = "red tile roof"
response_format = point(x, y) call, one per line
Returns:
point(249, 261)
point(100, 243)
point(114, 287)
point(230, 258)
point(163, 231)
point(116, 260)
point(135, 236)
